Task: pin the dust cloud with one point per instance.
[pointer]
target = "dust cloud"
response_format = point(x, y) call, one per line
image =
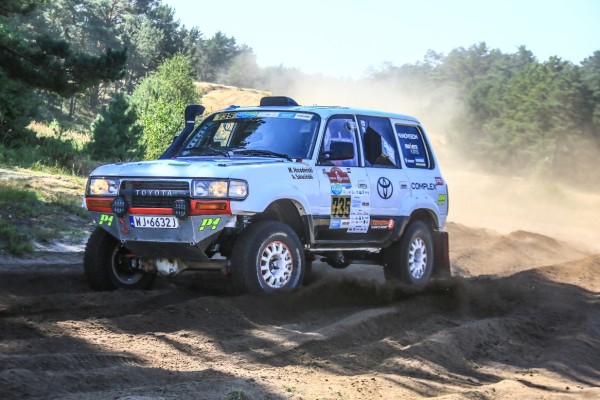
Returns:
point(500, 203)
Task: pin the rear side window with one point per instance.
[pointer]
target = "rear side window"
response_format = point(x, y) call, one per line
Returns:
point(415, 151)
point(378, 140)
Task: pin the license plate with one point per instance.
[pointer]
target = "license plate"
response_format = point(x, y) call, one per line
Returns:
point(140, 221)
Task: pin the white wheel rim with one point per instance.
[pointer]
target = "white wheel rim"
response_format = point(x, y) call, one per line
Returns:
point(276, 264)
point(417, 258)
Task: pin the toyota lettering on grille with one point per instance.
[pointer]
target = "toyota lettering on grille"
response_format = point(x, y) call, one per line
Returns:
point(153, 192)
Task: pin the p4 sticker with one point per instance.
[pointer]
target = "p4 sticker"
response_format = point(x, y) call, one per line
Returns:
point(106, 219)
point(209, 224)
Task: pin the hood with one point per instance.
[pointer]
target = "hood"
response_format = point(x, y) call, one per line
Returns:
point(184, 168)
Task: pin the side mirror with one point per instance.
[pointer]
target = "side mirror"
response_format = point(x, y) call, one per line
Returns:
point(338, 151)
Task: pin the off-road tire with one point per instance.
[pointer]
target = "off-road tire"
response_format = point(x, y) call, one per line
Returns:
point(267, 258)
point(103, 266)
point(410, 260)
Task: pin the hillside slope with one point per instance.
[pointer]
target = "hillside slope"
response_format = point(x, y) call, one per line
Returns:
point(217, 97)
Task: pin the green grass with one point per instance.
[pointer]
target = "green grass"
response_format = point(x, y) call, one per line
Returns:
point(30, 215)
point(15, 205)
point(14, 240)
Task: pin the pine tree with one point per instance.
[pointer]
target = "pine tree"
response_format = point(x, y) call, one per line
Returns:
point(36, 61)
point(116, 133)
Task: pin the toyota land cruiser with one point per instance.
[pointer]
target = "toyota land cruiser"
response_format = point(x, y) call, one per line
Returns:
point(261, 192)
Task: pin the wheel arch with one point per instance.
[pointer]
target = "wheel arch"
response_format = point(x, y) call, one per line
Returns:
point(289, 212)
point(427, 216)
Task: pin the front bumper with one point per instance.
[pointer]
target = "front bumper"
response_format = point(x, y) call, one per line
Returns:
point(188, 241)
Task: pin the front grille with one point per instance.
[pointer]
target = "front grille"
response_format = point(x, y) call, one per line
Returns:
point(154, 194)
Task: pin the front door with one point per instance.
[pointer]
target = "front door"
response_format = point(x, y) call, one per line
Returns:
point(344, 201)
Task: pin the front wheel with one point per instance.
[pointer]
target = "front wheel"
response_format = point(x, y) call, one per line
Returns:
point(411, 259)
point(268, 258)
point(109, 265)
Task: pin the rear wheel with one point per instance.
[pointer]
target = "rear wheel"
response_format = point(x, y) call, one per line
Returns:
point(109, 265)
point(411, 259)
point(267, 258)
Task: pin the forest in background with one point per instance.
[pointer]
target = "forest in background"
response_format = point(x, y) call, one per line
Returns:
point(85, 81)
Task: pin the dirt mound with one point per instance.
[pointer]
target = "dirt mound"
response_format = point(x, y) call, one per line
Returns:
point(514, 325)
point(477, 251)
point(217, 97)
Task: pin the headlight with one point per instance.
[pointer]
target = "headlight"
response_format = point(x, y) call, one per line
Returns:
point(219, 189)
point(238, 189)
point(103, 187)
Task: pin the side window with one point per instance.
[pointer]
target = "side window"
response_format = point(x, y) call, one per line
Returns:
point(340, 131)
point(414, 148)
point(379, 144)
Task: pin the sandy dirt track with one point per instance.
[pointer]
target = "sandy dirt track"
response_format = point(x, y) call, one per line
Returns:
point(520, 320)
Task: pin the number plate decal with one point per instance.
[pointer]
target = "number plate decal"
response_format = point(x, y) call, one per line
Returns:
point(340, 206)
point(163, 222)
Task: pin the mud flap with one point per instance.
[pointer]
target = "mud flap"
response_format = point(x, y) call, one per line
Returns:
point(441, 256)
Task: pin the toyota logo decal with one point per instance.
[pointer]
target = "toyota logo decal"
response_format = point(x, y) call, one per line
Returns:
point(385, 188)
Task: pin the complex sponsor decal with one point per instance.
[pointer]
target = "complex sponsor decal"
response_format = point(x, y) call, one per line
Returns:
point(349, 203)
point(385, 189)
point(382, 224)
point(209, 223)
point(301, 172)
point(423, 186)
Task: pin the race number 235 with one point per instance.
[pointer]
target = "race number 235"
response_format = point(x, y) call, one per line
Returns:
point(340, 206)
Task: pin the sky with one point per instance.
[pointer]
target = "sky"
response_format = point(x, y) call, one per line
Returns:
point(346, 38)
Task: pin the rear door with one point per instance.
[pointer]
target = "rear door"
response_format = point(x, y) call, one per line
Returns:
point(388, 183)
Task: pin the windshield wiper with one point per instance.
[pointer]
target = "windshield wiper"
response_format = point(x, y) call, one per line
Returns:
point(265, 153)
point(199, 151)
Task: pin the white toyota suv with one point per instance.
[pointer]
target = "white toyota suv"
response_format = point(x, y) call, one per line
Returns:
point(261, 192)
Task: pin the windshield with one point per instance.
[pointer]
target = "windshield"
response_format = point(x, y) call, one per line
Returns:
point(269, 134)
